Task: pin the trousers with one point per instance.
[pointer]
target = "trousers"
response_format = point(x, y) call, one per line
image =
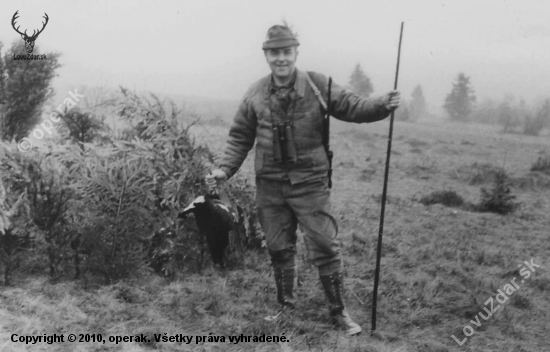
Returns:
point(281, 206)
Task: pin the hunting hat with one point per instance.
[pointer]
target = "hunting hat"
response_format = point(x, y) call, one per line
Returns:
point(279, 37)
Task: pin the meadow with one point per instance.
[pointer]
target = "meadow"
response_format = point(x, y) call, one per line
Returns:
point(440, 264)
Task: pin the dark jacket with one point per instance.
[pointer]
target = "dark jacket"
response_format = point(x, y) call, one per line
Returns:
point(259, 108)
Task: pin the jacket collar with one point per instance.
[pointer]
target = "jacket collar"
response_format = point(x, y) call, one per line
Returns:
point(299, 85)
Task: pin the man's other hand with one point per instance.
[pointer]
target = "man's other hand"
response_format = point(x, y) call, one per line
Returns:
point(215, 178)
point(392, 100)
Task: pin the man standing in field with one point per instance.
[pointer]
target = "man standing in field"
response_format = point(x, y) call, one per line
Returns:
point(283, 115)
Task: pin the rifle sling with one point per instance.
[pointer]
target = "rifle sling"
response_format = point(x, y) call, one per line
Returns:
point(317, 92)
point(326, 122)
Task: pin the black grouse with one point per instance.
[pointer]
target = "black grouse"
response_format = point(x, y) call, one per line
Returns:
point(215, 220)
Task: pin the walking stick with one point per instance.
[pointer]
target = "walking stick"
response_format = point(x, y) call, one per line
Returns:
point(384, 192)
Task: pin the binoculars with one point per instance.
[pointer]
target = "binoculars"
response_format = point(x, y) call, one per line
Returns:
point(284, 149)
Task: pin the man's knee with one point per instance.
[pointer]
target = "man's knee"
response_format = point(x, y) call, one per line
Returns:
point(285, 258)
point(326, 255)
point(331, 267)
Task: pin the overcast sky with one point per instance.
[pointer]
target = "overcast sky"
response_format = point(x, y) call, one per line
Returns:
point(213, 48)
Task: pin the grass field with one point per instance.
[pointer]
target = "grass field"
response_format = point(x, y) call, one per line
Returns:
point(440, 265)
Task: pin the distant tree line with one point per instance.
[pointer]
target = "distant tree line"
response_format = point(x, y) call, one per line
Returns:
point(461, 105)
point(514, 116)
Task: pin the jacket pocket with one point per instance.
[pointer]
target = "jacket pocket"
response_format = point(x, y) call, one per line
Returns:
point(308, 130)
point(313, 160)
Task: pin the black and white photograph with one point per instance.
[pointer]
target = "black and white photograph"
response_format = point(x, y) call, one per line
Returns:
point(239, 175)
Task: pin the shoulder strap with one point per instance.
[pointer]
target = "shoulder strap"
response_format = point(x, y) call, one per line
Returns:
point(317, 92)
point(326, 127)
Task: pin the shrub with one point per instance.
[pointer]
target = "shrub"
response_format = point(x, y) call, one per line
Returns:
point(49, 196)
point(93, 209)
point(136, 186)
point(509, 115)
point(12, 243)
point(532, 125)
point(542, 165)
point(535, 122)
point(140, 185)
point(164, 256)
point(13, 247)
point(80, 127)
point(447, 198)
point(16, 234)
point(477, 173)
point(40, 182)
point(499, 199)
point(487, 111)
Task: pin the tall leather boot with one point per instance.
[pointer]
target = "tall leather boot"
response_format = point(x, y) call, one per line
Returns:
point(333, 285)
point(284, 281)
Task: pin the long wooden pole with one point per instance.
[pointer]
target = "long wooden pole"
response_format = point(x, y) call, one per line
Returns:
point(384, 193)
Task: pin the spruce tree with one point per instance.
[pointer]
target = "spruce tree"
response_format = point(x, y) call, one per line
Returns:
point(359, 83)
point(23, 90)
point(418, 103)
point(460, 102)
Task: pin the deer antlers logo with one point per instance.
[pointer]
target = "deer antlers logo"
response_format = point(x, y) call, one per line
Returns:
point(29, 40)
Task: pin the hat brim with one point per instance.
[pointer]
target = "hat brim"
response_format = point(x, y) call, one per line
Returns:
point(279, 43)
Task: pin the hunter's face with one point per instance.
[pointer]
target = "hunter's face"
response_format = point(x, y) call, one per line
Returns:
point(281, 61)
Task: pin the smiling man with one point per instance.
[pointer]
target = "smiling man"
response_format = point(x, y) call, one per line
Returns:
point(281, 61)
point(282, 113)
